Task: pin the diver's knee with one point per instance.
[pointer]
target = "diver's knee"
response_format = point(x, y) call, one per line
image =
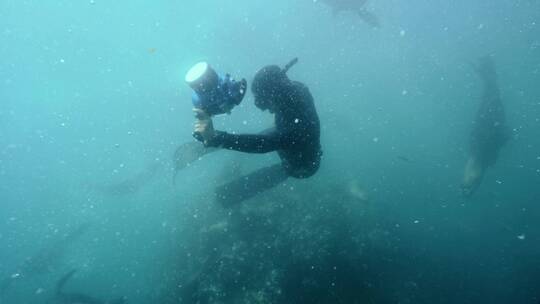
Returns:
point(302, 173)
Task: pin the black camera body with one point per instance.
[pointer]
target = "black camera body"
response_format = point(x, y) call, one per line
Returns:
point(213, 93)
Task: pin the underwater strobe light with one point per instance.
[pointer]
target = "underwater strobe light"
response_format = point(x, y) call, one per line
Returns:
point(212, 93)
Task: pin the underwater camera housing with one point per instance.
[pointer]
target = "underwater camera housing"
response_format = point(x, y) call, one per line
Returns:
point(212, 93)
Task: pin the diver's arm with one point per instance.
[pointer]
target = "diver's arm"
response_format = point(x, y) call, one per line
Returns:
point(269, 141)
point(249, 143)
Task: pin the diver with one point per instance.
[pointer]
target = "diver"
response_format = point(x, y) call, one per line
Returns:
point(295, 136)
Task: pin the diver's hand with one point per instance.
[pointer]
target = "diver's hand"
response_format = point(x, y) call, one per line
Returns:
point(204, 128)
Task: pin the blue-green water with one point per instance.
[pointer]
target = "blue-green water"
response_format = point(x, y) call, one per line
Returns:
point(92, 95)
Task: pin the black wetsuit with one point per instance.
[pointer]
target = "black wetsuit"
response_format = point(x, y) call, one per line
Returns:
point(296, 136)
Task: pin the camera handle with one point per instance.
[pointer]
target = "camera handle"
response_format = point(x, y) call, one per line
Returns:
point(199, 114)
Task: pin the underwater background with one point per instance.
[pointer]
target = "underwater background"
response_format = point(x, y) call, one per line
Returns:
point(93, 104)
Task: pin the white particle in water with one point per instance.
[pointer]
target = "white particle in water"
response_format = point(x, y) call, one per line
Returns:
point(521, 237)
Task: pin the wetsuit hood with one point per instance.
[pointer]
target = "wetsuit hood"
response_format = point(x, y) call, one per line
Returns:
point(269, 83)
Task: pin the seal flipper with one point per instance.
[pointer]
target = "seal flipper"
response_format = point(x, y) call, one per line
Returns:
point(369, 18)
point(63, 280)
point(188, 153)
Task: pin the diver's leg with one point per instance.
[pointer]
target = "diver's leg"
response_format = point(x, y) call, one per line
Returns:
point(268, 131)
point(250, 185)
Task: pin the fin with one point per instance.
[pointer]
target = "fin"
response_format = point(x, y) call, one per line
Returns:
point(250, 185)
point(63, 280)
point(369, 18)
point(290, 65)
point(188, 153)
